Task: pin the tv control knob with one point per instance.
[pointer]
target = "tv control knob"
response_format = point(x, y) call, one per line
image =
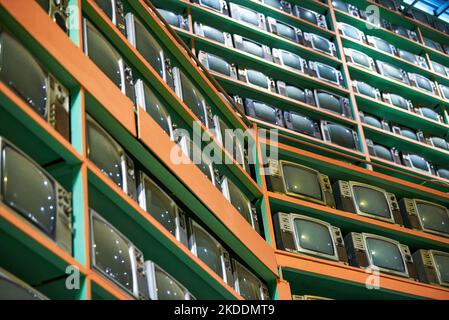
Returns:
point(339, 240)
point(408, 257)
point(337, 233)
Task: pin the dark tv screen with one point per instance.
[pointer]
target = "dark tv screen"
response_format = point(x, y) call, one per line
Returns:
point(371, 201)
point(385, 254)
point(193, 98)
point(383, 152)
point(409, 134)
point(439, 143)
point(372, 121)
point(265, 112)
point(314, 236)
point(171, 17)
point(329, 102)
point(291, 60)
point(218, 64)
point(302, 124)
point(442, 264)
point(360, 58)
point(398, 101)
point(240, 201)
point(208, 251)
point(424, 83)
point(341, 135)
point(286, 31)
point(214, 34)
point(383, 45)
point(328, 73)
point(392, 72)
point(302, 182)
point(307, 15)
point(321, 44)
point(249, 16)
point(167, 287)
point(352, 32)
point(257, 78)
point(214, 4)
point(366, 89)
point(156, 109)
point(248, 284)
point(418, 162)
point(105, 5)
point(295, 93)
point(253, 48)
point(9, 290)
point(433, 217)
point(429, 113)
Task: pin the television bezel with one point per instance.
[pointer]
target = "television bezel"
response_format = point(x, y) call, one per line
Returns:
point(324, 124)
point(263, 290)
point(261, 17)
point(299, 249)
point(150, 269)
point(369, 215)
point(372, 40)
point(7, 276)
point(414, 76)
point(342, 25)
point(381, 67)
point(415, 204)
point(382, 269)
point(314, 65)
point(271, 21)
point(132, 249)
point(407, 156)
point(349, 52)
point(279, 55)
point(437, 271)
point(332, 48)
point(205, 62)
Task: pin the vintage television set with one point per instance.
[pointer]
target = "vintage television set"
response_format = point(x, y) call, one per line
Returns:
point(252, 47)
point(279, 4)
point(413, 58)
point(439, 24)
point(291, 60)
point(302, 234)
point(417, 162)
point(444, 91)
point(21, 72)
point(163, 286)
point(309, 297)
point(326, 73)
point(432, 266)
point(333, 102)
point(299, 181)
point(154, 200)
point(247, 15)
point(381, 45)
point(359, 58)
point(301, 123)
point(213, 34)
point(58, 12)
point(218, 64)
point(439, 68)
point(339, 135)
point(320, 44)
point(392, 72)
point(117, 258)
point(217, 5)
point(295, 93)
point(408, 133)
point(147, 100)
point(247, 284)
point(285, 30)
point(240, 202)
point(141, 39)
point(438, 142)
point(351, 32)
point(374, 121)
point(367, 200)
point(419, 15)
point(426, 216)
point(428, 113)
point(12, 288)
point(346, 7)
point(433, 44)
point(262, 111)
point(35, 196)
point(397, 101)
point(407, 33)
point(390, 4)
point(192, 97)
point(194, 153)
point(204, 246)
point(389, 256)
point(365, 89)
point(310, 16)
point(256, 78)
point(110, 157)
point(106, 57)
point(383, 152)
point(114, 11)
point(442, 172)
point(174, 19)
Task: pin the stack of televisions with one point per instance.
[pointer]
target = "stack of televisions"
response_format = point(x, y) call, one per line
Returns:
point(307, 235)
point(418, 81)
point(326, 130)
point(50, 210)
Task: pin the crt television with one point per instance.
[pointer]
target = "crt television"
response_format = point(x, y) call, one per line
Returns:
point(439, 68)
point(438, 142)
point(320, 43)
point(163, 286)
point(247, 15)
point(154, 200)
point(107, 58)
point(340, 135)
point(174, 19)
point(256, 78)
point(417, 162)
point(285, 30)
point(367, 200)
point(392, 72)
point(333, 103)
point(359, 58)
point(381, 45)
point(301, 123)
point(21, 72)
point(110, 157)
point(217, 5)
point(114, 11)
point(252, 47)
point(35, 196)
point(424, 215)
point(58, 12)
point(117, 258)
point(247, 284)
point(218, 64)
point(369, 250)
point(279, 4)
point(429, 113)
point(346, 7)
point(326, 73)
point(413, 58)
point(145, 43)
point(240, 202)
point(422, 82)
point(264, 112)
point(192, 97)
point(210, 251)
point(295, 92)
point(383, 152)
point(351, 32)
point(213, 34)
point(397, 101)
point(302, 234)
point(310, 16)
point(365, 89)
point(299, 181)
point(290, 59)
point(432, 266)
point(147, 100)
point(12, 288)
